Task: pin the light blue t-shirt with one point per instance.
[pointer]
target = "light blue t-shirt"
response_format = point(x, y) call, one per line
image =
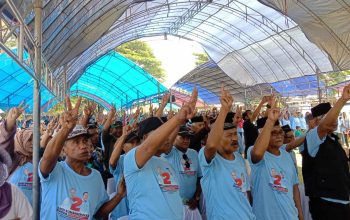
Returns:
point(153, 190)
point(297, 122)
point(187, 176)
point(68, 195)
point(292, 122)
point(225, 184)
point(23, 179)
point(273, 179)
point(313, 145)
point(122, 208)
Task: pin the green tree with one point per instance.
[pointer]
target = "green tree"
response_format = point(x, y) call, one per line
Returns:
point(141, 53)
point(201, 58)
point(334, 78)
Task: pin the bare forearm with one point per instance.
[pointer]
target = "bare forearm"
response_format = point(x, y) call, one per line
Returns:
point(294, 144)
point(52, 151)
point(256, 112)
point(107, 124)
point(45, 140)
point(160, 111)
point(150, 146)
point(118, 147)
point(332, 115)
point(296, 197)
point(173, 135)
point(262, 142)
point(108, 207)
point(84, 121)
point(215, 135)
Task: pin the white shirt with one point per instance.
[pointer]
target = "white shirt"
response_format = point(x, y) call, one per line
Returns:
point(20, 207)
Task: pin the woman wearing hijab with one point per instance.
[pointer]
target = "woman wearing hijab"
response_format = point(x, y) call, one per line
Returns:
point(14, 204)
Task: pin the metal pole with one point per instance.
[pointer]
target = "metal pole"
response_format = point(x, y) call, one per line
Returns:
point(64, 94)
point(36, 108)
point(138, 99)
point(20, 42)
point(171, 101)
point(318, 85)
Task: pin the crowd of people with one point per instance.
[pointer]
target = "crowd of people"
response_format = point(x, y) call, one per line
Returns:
point(219, 165)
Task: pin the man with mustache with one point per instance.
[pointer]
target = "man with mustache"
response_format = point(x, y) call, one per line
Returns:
point(224, 182)
point(274, 178)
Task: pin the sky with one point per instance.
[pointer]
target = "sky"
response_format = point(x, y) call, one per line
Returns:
point(175, 55)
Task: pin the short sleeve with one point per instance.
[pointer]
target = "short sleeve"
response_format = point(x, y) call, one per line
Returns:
point(55, 172)
point(202, 160)
point(199, 172)
point(249, 157)
point(130, 165)
point(313, 141)
point(103, 193)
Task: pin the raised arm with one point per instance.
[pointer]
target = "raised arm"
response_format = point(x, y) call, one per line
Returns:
point(294, 144)
point(160, 110)
point(48, 133)
point(217, 130)
point(118, 147)
point(89, 110)
point(150, 146)
point(327, 124)
point(258, 109)
point(109, 121)
point(13, 115)
point(262, 142)
point(54, 147)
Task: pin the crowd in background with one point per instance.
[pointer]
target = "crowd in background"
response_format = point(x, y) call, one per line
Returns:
point(225, 163)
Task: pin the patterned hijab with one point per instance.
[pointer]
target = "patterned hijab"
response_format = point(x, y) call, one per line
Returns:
point(24, 146)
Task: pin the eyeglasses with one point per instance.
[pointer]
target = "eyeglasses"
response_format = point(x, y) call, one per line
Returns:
point(187, 161)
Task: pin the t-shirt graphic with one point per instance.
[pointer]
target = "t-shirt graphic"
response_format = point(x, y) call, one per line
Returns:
point(238, 180)
point(166, 180)
point(277, 181)
point(74, 207)
point(28, 180)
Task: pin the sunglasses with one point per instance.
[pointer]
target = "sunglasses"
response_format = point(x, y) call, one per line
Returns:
point(187, 161)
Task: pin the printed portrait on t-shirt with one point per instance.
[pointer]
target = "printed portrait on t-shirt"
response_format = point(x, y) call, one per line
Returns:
point(26, 181)
point(238, 179)
point(277, 181)
point(74, 207)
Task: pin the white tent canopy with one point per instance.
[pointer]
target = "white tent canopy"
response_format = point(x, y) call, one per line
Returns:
point(251, 42)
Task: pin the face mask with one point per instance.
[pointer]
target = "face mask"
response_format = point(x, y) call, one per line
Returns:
point(3, 173)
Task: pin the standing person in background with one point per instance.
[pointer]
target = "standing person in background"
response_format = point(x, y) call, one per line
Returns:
point(200, 129)
point(302, 122)
point(285, 118)
point(250, 131)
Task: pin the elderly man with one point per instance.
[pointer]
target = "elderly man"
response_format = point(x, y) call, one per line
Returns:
point(225, 181)
point(274, 177)
point(60, 179)
point(325, 164)
point(152, 184)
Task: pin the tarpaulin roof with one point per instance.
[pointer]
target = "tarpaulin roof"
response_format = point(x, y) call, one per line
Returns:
point(16, 85)
point(208, 78)
point(251, 42)
point(113, 79)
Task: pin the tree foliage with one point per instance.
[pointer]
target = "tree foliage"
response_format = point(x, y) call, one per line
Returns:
point(141, 53)
point(334, 78)
point(201, 58)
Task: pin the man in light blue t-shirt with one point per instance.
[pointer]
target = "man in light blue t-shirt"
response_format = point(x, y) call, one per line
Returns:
point(70, 190)
point(274, 178)
point(152, 184)
point(225, 181)
point(186, 165)
point(126, 142)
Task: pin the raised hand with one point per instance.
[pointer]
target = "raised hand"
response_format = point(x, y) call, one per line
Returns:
point(70, 116)
point(238, 114)
point(274, 112)
point(126, 130)
point(89, 109)
point(111, 113)
point(226, 99)
point(14, 114)
point(165, 99)
point(51, 127)
point(346, 93)
point(188, 109)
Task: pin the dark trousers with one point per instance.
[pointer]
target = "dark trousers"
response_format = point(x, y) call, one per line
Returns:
point(324, 210)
